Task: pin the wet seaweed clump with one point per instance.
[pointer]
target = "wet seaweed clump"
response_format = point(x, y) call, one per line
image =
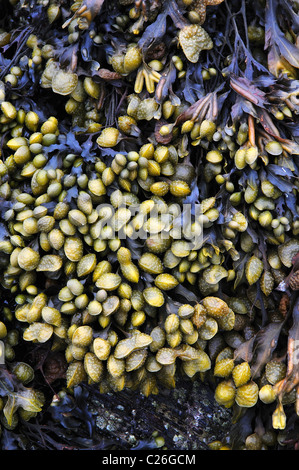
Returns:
point(149, 203)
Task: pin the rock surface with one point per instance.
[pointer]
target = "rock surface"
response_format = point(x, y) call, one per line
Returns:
point(188, 418)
